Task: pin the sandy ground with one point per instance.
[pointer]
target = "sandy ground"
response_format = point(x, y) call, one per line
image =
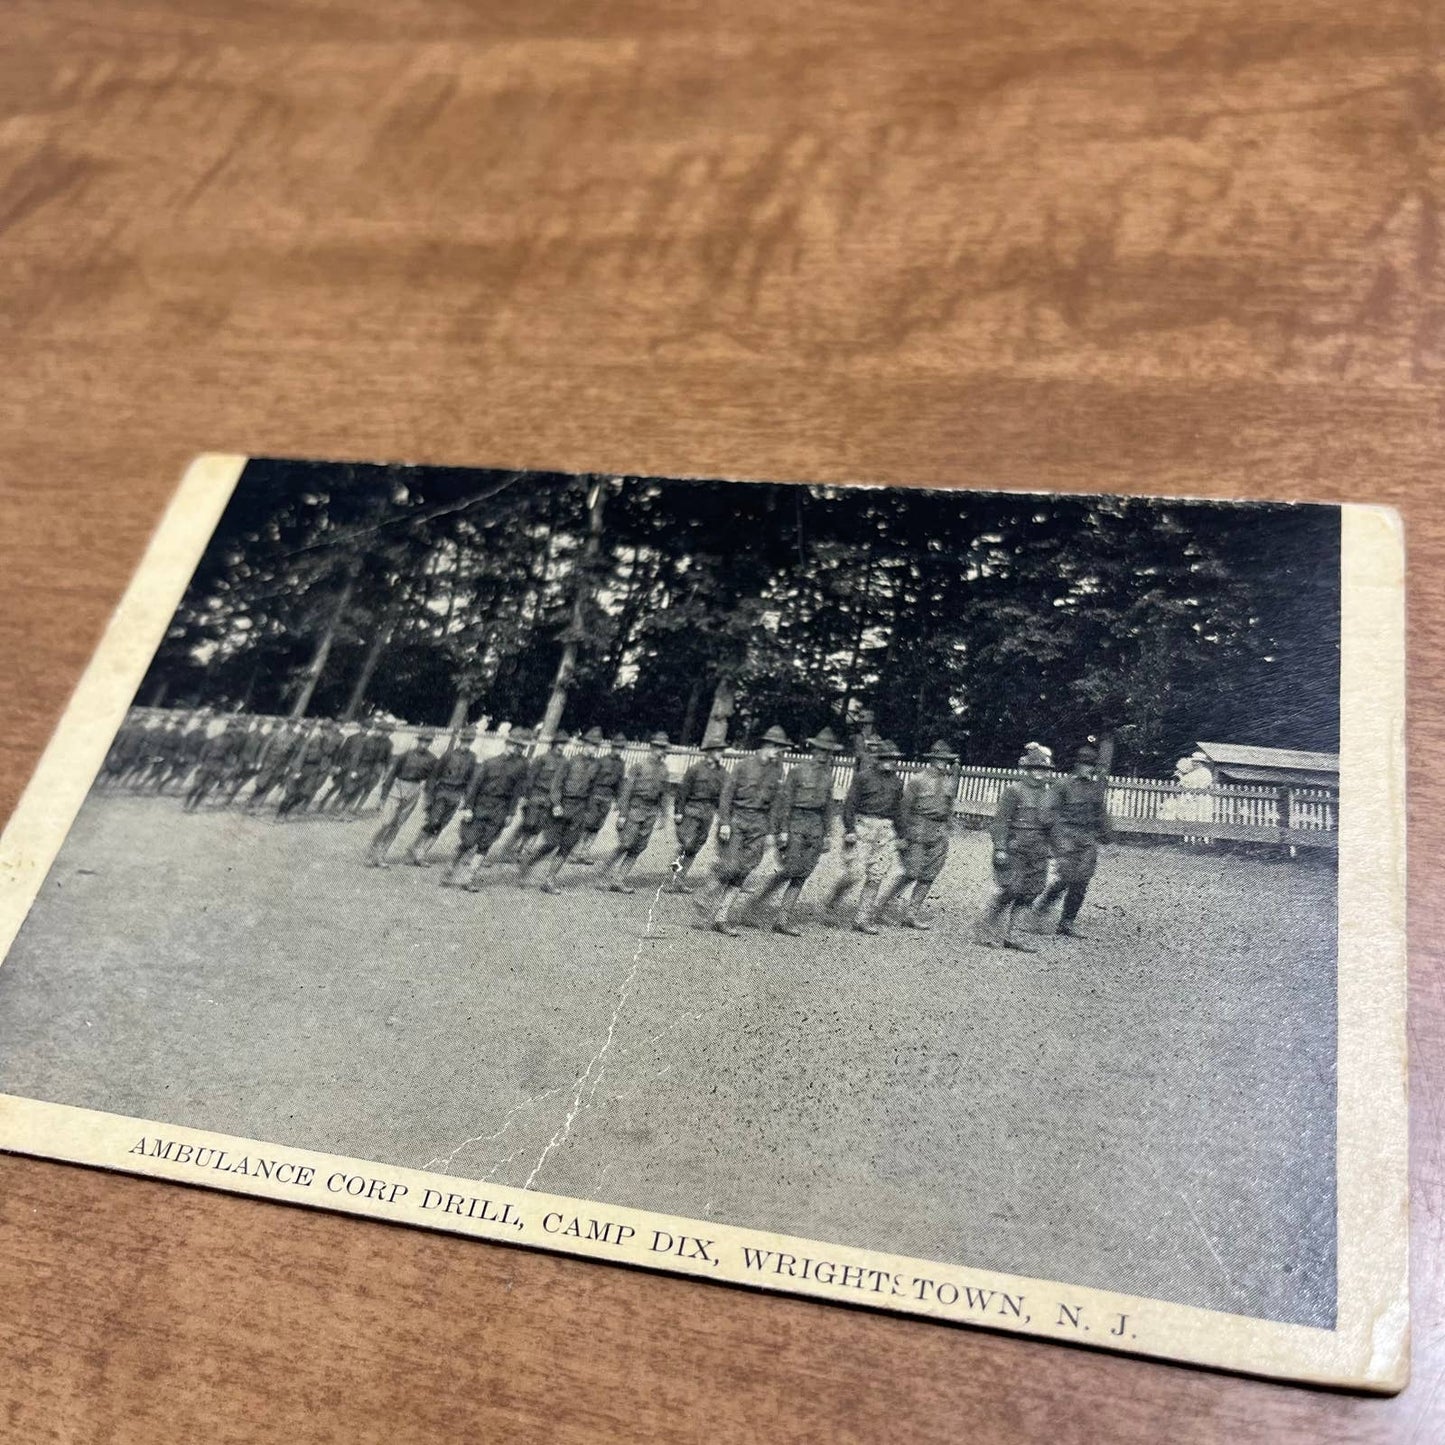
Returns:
point(1150, 1110)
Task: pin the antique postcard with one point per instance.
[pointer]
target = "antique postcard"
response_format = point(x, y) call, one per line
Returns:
point(972, 904)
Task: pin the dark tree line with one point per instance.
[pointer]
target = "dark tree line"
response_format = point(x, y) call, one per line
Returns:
point(434, 595)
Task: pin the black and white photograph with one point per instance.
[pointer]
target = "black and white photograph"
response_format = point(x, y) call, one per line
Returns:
point(951, 875)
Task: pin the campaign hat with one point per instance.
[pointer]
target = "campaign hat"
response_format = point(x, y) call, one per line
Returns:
point(1087, 753)
point(594, 737)
point(1036, 755)
point(886, 748)
point(659, 740)
point(775, 734)
point(941, 752)
point(827, 740)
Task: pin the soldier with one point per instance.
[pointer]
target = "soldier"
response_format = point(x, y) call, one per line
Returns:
point(141, 755)
point(537, 802)
point(639, 806)
point(870, 830)
point(1079, 809)
point(213, 767)
point(187, 751)
point(694, 808)
point(275, 757)
point(802, 821)
point(307, 767)
point(121, 755)
point(1021, 828)
point(345, 771)
point(571, 788)
point(375, 760)
point(924, 815)
point(445, 790)
point(744, 815)
point(611, 769)
point(246, 764)
point(161, 755)
point(406, 774)
point(493, 795)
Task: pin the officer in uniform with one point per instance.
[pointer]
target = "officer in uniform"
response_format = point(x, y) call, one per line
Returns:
point(606, 784)
point(571, 787)
point(1021, 829)
point(406, 775)
point(445, 790)
point(694, 808)
point(744, 814)
point(375, 762)
point(547, 760)
point(802, 821)
point(924, 815)
point(639, 806)
point(308, 766)
point(1079, 805)
point(870, 830)
point(493, 795)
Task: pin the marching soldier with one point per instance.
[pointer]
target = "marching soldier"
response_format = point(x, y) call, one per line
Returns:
point(1021, 829)
point(537, 807)
point(375, 761)
point(346, 768)
point(246, 764)
point(694, 808)
point(493, 795)
point(744, 814)
point(406, 775)
point(307, 767)
point(161, 754)
point(1079, 806)
point(121, 755)
point(870, 830)
point(571, 788)
point(188, 749)
point(215, 763)
point(606, 784)
point(275, 758)
point(924, 815)
point(445, 790)
point(639, 806)
point(802, 821)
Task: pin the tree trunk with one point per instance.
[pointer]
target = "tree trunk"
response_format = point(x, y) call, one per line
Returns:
point(689, 713)
point(380, 641)
point(724, 703)
point(460, 708)
point(317, 665)
point(581, 600)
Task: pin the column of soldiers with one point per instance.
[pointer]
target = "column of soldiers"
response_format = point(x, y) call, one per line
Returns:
point(549, 809)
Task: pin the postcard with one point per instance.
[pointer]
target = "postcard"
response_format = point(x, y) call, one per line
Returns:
point(978, 905)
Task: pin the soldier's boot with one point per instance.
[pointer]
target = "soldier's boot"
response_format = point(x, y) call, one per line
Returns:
point(990, 928)
point(454, 868)
point(620, 874)
point(721, 921)
point(679, 882)
point(763, 897)
point(1042, 907)
point(912, 917)
point(891, 897)
point(549, 883)
point(1009, 941)
point(863, 920)
point(784, 923)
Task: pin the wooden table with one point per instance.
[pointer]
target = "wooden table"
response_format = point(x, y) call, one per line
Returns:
point(1132, 245)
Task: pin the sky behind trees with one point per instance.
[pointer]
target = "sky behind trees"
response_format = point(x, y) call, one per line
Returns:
point(985, 618)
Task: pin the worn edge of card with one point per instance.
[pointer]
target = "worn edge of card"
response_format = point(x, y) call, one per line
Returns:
point(1367, 1349)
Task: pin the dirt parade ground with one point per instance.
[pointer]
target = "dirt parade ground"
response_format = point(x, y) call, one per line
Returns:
point(1149, 1109)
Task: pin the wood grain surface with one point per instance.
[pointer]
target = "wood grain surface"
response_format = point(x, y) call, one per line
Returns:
point(1083, 244)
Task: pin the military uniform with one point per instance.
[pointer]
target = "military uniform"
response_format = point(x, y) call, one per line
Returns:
point(639, 805)
point(404, 781)
point(492, 797)
point(1079, 816)
point(213, 767)
point(745, 807)
point(925, 814)
point(871, 812)
point(1021, 830)
point(186, 756)
point(803, 810)
point(345, 770)
point(606, 784)
point(374, 761)
point(447, 787)
point(274, 759)
point(537, 806)
point(306, 769)
point(570, 790)
point(247, 762)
